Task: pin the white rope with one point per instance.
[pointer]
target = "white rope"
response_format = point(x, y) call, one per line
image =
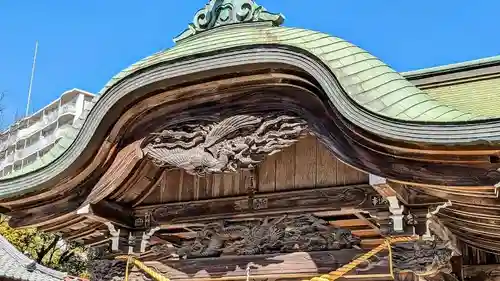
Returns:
point(248, 272)
point(428, 235)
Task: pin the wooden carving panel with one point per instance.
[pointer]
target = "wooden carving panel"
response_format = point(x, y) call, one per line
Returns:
point(228, 145)
point(299, 201)
point(305, 265)
point(307, 164)
point(283, 234)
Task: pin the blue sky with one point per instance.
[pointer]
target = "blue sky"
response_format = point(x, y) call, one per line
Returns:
point(84, 43)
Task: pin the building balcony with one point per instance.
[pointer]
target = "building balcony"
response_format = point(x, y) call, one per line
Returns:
point(33, 134)
point(34, 148)
point(67, 108)
point(46, 121)
point(8, 160)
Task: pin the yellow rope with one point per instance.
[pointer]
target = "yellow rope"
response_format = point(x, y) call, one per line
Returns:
point(341, 271)
point(389, 248)
point(334, 275)
point(151, 272)
point(126, 269)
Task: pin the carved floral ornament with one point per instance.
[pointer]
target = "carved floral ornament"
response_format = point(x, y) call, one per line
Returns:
point(239, 141)
point(223, 12)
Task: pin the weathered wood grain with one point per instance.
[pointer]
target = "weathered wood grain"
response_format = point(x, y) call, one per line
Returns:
point(300, 166)
point(119, 171)
point(301, 264)
point(313, 200)
point(106, 211)
point(489, 272)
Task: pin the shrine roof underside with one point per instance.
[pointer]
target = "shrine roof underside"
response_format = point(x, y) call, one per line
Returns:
point(363, 89)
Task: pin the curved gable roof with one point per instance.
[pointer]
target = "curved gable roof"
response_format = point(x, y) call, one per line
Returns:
point(372, 95)
point(367, 81)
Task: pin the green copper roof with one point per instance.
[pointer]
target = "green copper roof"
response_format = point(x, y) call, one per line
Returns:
point(367, 80)
point(16, 266)
point(481, 96)
point(453, 67)
point(471, 86)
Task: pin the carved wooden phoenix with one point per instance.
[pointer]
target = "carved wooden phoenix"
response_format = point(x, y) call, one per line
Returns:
point(239, 141)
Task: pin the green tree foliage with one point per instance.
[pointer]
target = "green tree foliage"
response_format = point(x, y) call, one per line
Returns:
point(47, 249)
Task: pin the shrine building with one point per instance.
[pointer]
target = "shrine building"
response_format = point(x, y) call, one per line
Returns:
point(256, 151)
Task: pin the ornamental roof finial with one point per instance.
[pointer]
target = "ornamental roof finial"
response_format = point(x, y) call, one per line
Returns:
point(223, 12)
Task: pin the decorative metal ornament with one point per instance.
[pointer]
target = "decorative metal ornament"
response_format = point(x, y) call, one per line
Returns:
point(224, 12)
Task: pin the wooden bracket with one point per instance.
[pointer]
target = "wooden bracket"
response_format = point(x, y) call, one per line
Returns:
point(114, 236)
point(382, 186)
point(105, 211)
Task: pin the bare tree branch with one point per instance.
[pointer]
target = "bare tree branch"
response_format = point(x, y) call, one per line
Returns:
point(46, 249)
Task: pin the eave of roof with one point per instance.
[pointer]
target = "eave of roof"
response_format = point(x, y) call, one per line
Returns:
point(454, 67)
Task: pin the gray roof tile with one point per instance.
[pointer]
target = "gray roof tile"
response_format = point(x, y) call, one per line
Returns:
point(15, 265)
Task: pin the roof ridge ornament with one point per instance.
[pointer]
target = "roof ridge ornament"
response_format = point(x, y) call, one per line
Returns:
point(31, 266)
point(224, 12)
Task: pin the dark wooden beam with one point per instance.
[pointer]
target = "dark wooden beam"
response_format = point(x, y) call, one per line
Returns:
point(301, 265)
point(468, 210)
point(408, 196)
point(489, 244)
point(414, 197)
point(490, 272)
point(85, 232)
point(106, 211)
point(490, 201)
point(479, 226)
point(353, 198)
point(96, 241)
point(47, 212)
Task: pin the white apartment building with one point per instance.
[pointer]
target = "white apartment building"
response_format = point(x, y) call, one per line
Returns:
point(32, 137)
